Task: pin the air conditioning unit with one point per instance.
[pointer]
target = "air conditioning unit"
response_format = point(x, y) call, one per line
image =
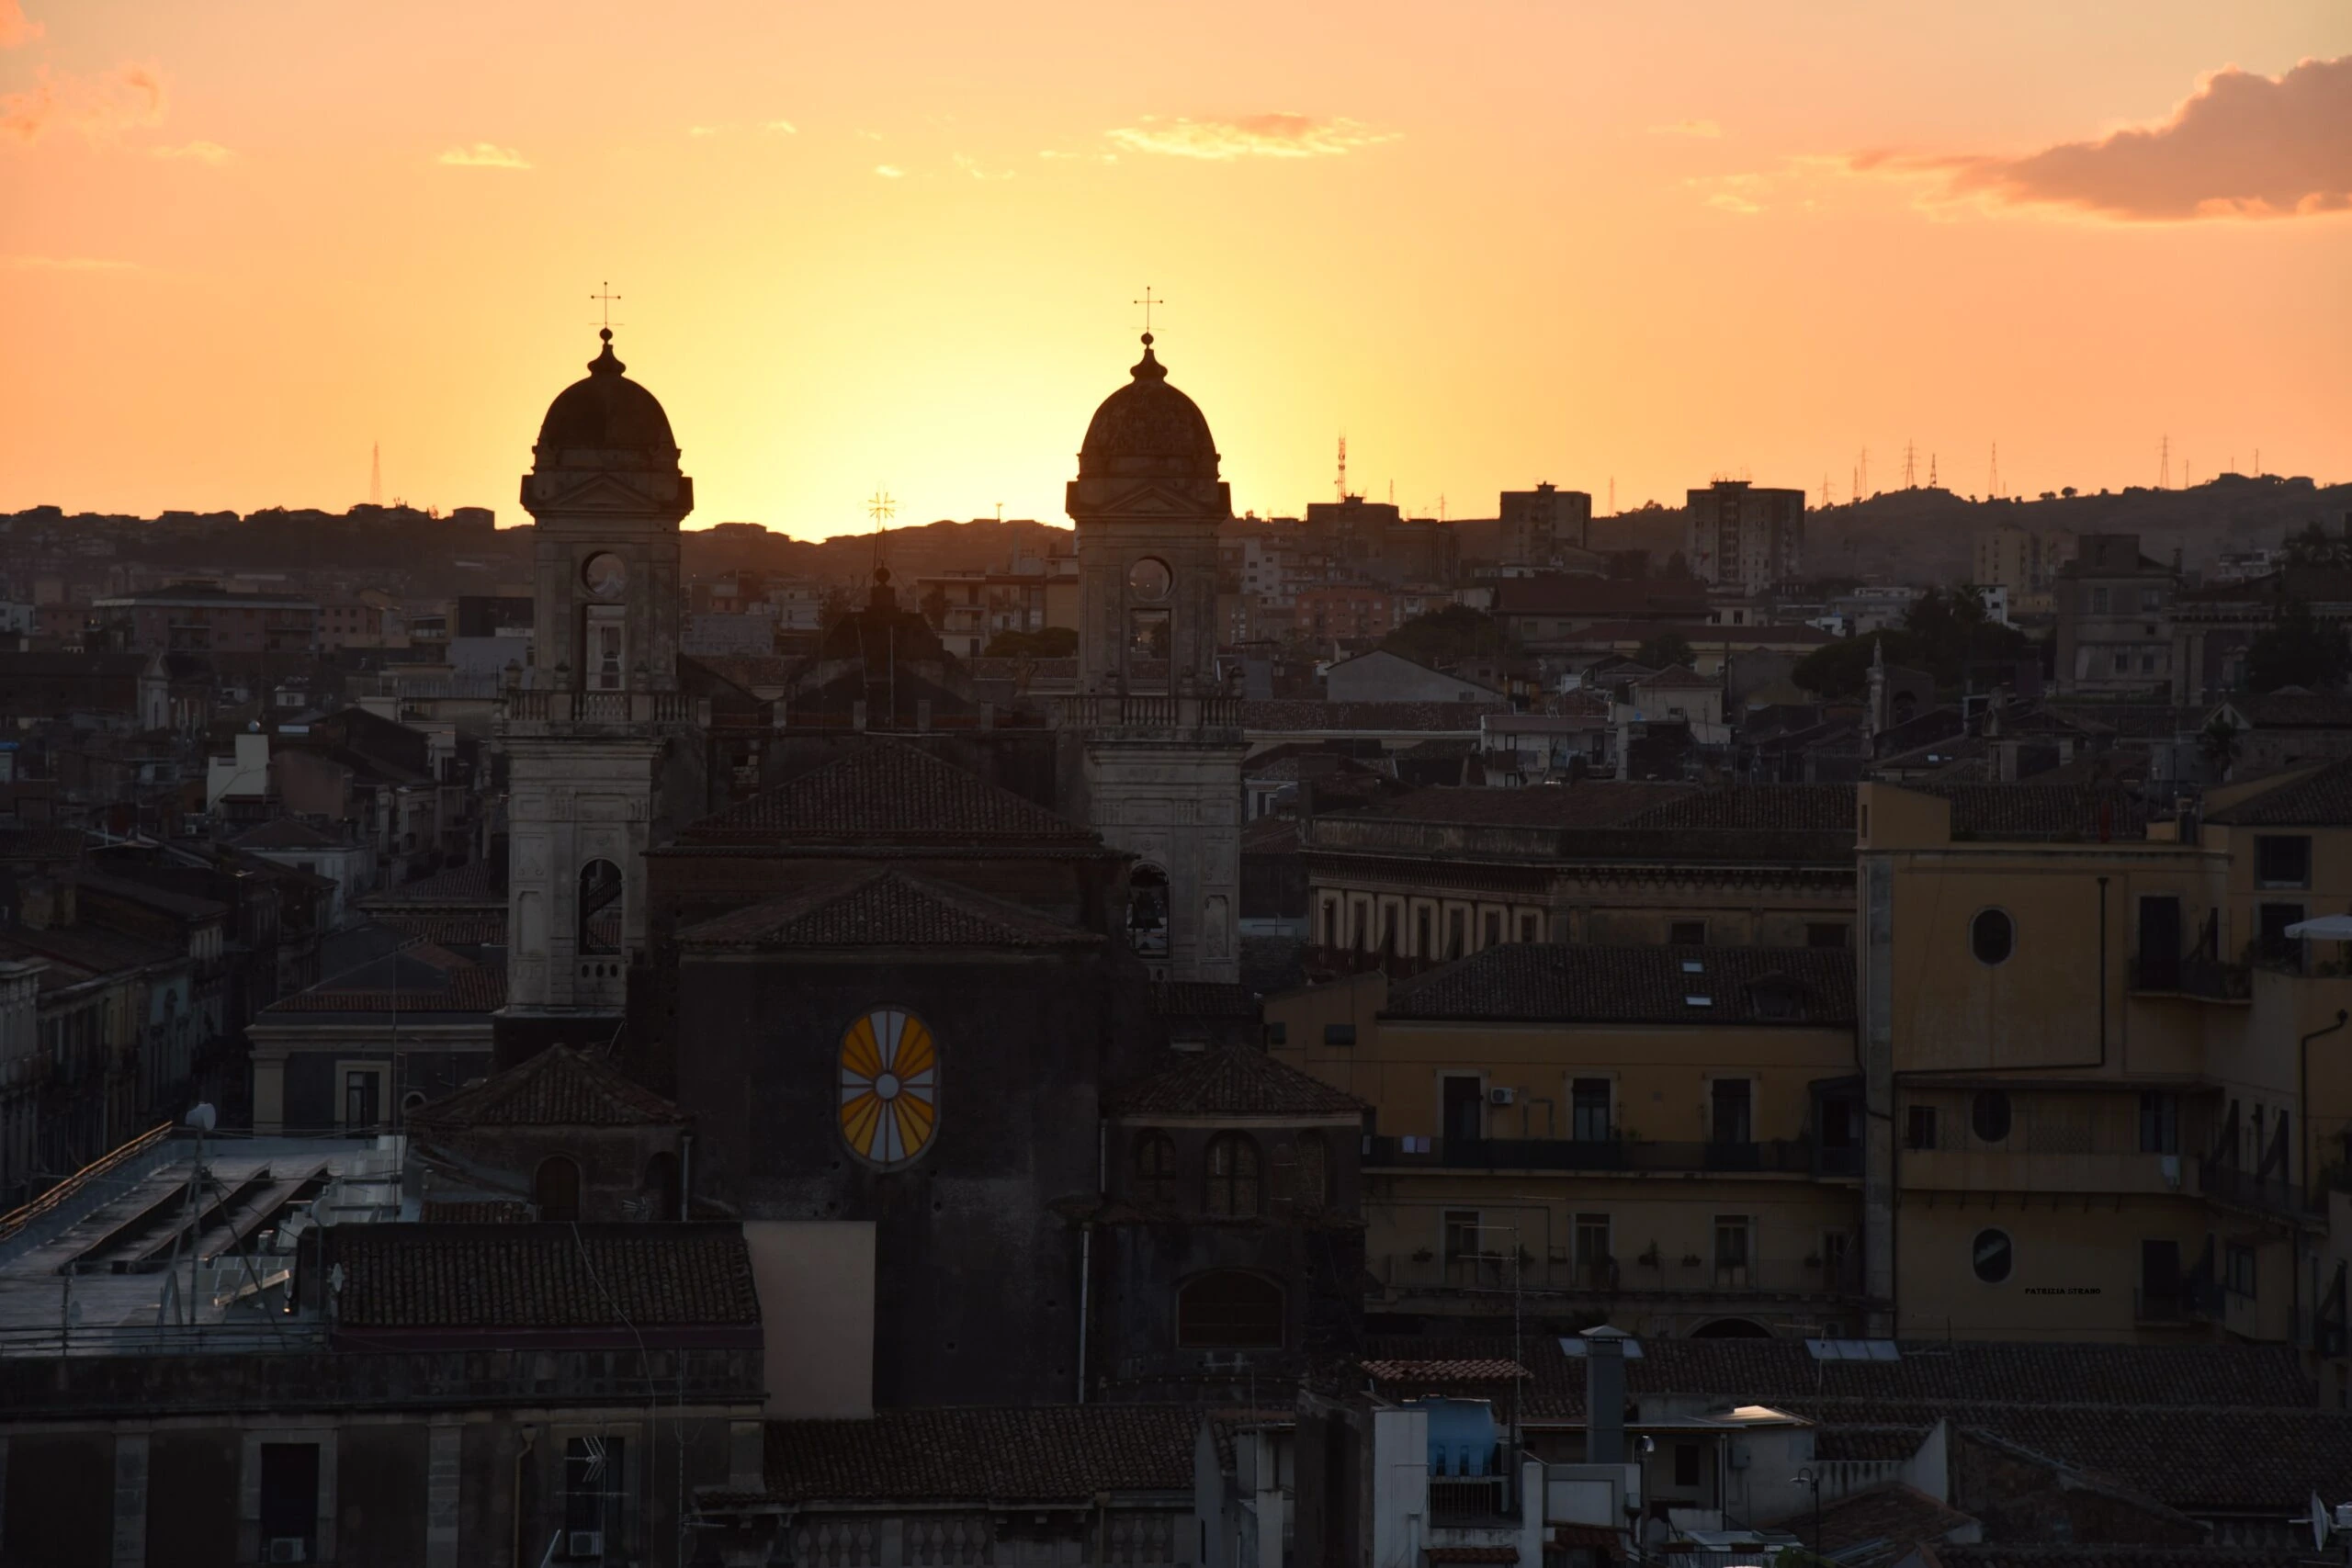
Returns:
point(1502, 1097)
point(289, 1548)
point(585, 1543)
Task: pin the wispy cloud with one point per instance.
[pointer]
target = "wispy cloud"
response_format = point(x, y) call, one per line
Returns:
point(484, 155)
point(1251, 136)
point(1052, 155)
point(67, 264)
point(703, 130)
point(1705, 130)
point(889, 170)
point(198, 152)
point(967, 164)
point(129, 97)
point(16, 30)
point(783, 127)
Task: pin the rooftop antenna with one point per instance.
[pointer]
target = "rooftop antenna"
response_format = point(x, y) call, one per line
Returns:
point(1612, 495)
point(1932, 472)
point(1824, 487)
point(1865, 483)
point(376, 474)
point(2164, 464)
point(1993, 486)
point(1341, 483)
point(1910, 466)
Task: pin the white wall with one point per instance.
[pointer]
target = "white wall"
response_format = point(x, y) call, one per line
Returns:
point(815, 1279)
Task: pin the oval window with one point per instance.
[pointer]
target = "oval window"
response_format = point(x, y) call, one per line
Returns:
point(1992, 936)
point(1991, 1256)
point(1988, 1115)
point(605, 575)
point(889, 1088)
point(1150, 578)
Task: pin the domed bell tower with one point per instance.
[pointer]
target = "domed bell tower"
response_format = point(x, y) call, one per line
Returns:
point(1162, 741)
point(596, 730)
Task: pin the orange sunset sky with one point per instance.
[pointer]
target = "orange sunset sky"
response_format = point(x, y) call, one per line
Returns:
point(895, 244)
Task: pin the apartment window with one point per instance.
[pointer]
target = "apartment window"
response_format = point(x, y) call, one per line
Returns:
point(1734, 1121)
point(1530, 926)
point(2099, 600)
point(1278, 1035)
point(1919, 1127)
point(1826, 933)
point(1313, 1171)
point(2152, 598)
point(2282, 861)
point(1837, 1259)
point(362, 1090)
point(2271, 921)
point(1323, 923)
point(1991, 1256)
point(1421, 948)
point(1460, 1234)
point(2124, 664)
point(592, 1493)
point(1155, 1168)
point(1686, 933)
point(1232, 1175)
point(1457, 925)
point(2147, 664)
point(2159, 1279)
point(2238, 1270)
point(1992, 936)
point(1989, 1116)
point(1588, 1111)
point(1595, 1261)
point(1732, 1235)
point(1339, 1034)
point(1464, 1100)
point(290, 1497)
point(555, 1188)
point(2159, 1122)
point(1686, 1464)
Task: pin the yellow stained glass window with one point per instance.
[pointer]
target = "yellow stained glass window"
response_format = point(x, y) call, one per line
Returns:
point(889, 1087)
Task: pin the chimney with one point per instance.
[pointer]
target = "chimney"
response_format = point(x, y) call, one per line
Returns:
point(1604, 1395)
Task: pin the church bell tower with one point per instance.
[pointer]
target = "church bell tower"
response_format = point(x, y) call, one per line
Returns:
point(1162, 740)
point(597, 733)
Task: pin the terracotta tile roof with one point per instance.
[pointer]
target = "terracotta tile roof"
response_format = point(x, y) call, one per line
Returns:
point(289, 833)
point(446, 927)
point(1309, 715)
point(1574, 983)
point(884, 909)
point(422, 978)
point(1004, 1457)
point(1892, 1514)
point(1270, 836)
point(187, 906)
point(542, 1276)
point(1232, 1080)
point(40, 843)
point(1867, 1442)
point(1758, 809)
point(2019, 812)
point(1679, 678)
point(1203, 998)
point(1489, 1368)
point(2293, 708)
point(886, 792)
point(2321, 798)
point(1544, 806)
point(475, 1212)
point(2079, 1556)
point(477, 882)
point(557, 1088)
point(1472, 1554)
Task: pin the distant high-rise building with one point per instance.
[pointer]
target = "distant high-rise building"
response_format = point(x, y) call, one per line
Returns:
point(1538, 524)
point(1745, 537)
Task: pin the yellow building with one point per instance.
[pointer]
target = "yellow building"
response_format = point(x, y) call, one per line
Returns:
point(1665, 1137)
point(2088, 1116)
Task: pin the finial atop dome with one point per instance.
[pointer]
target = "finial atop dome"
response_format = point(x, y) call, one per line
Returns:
point(606, 363)
point(1148, 368)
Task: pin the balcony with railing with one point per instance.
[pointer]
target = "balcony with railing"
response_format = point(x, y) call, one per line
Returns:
point(1141, 714)
point(1652, 1276)
point(2044, 1154)
point(2198, 978)
point(1629, 1157)
point(565, 711)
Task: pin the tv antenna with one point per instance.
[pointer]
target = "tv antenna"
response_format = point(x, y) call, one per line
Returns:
point(1341, 483)
point(2164, 464)
point(1932, 472)
point(1910, 466)
point(1993, 486)
point(376, 474)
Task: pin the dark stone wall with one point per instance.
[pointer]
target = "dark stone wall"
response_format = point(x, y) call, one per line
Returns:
point(1021, 761)
point(192, 1498)
point(60, 1509)
point(977, 1271)
point(379, 1500)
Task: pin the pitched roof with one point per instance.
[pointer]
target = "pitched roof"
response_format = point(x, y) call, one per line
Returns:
point(2080, 1555)
point(289, 833)
point(40, 844)
point(1545, 806)
point(1679, 678)
point(1308, 716)
point(1002, 1457)
point(557, 1088)
point(418, 979)
point(1203, 998)
point(1482, 1368)
point(1758, 808)
point(1233, 1080)
point(2066, 813)
point(2321, 798)
point(2293, 708)
point(478, 882)
point(543, 1276)
point(884, 909)
point(1891, 1517)
point(1556, 983)
point(886, 792)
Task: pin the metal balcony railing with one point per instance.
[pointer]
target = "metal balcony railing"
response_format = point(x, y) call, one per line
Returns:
point(2205, 978)
point(1781, 1157)
point(1684, 1275)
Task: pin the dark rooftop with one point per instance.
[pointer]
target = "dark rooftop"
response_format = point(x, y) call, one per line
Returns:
point(1556, 983)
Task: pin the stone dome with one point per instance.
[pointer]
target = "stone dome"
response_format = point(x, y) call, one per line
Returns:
point(605, 420)
point(1148, 430)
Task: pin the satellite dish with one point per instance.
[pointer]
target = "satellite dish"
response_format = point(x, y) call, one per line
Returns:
point(203, 1117)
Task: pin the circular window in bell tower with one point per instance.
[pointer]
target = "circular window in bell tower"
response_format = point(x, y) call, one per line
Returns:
point(605, 575)
point(1150, 578)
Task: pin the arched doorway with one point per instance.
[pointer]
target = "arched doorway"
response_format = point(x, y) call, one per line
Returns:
point(1732, 1329)
point(555, 1188)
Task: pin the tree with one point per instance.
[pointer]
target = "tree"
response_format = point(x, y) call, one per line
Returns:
point(2316, 546)
point(2297, 650)
point(1664, 649)
point(1943, 633)
point(1053, 642)
point(935, 607)
point(2218, 744)
point(1449, 635)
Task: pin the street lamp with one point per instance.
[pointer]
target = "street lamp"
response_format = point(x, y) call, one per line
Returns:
point(1811, 1477)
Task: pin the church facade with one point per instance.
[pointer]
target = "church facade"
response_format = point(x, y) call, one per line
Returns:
point(910, 989)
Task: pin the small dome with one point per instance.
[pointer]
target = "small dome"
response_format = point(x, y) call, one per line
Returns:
point(1148, 430)
point(607, 414)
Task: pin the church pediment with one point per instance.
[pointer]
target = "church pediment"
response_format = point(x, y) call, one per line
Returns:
point(1099, 498)
point(610, 494)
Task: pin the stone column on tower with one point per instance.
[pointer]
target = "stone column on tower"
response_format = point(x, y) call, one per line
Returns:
point(1162, 741)
point(599, 737)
